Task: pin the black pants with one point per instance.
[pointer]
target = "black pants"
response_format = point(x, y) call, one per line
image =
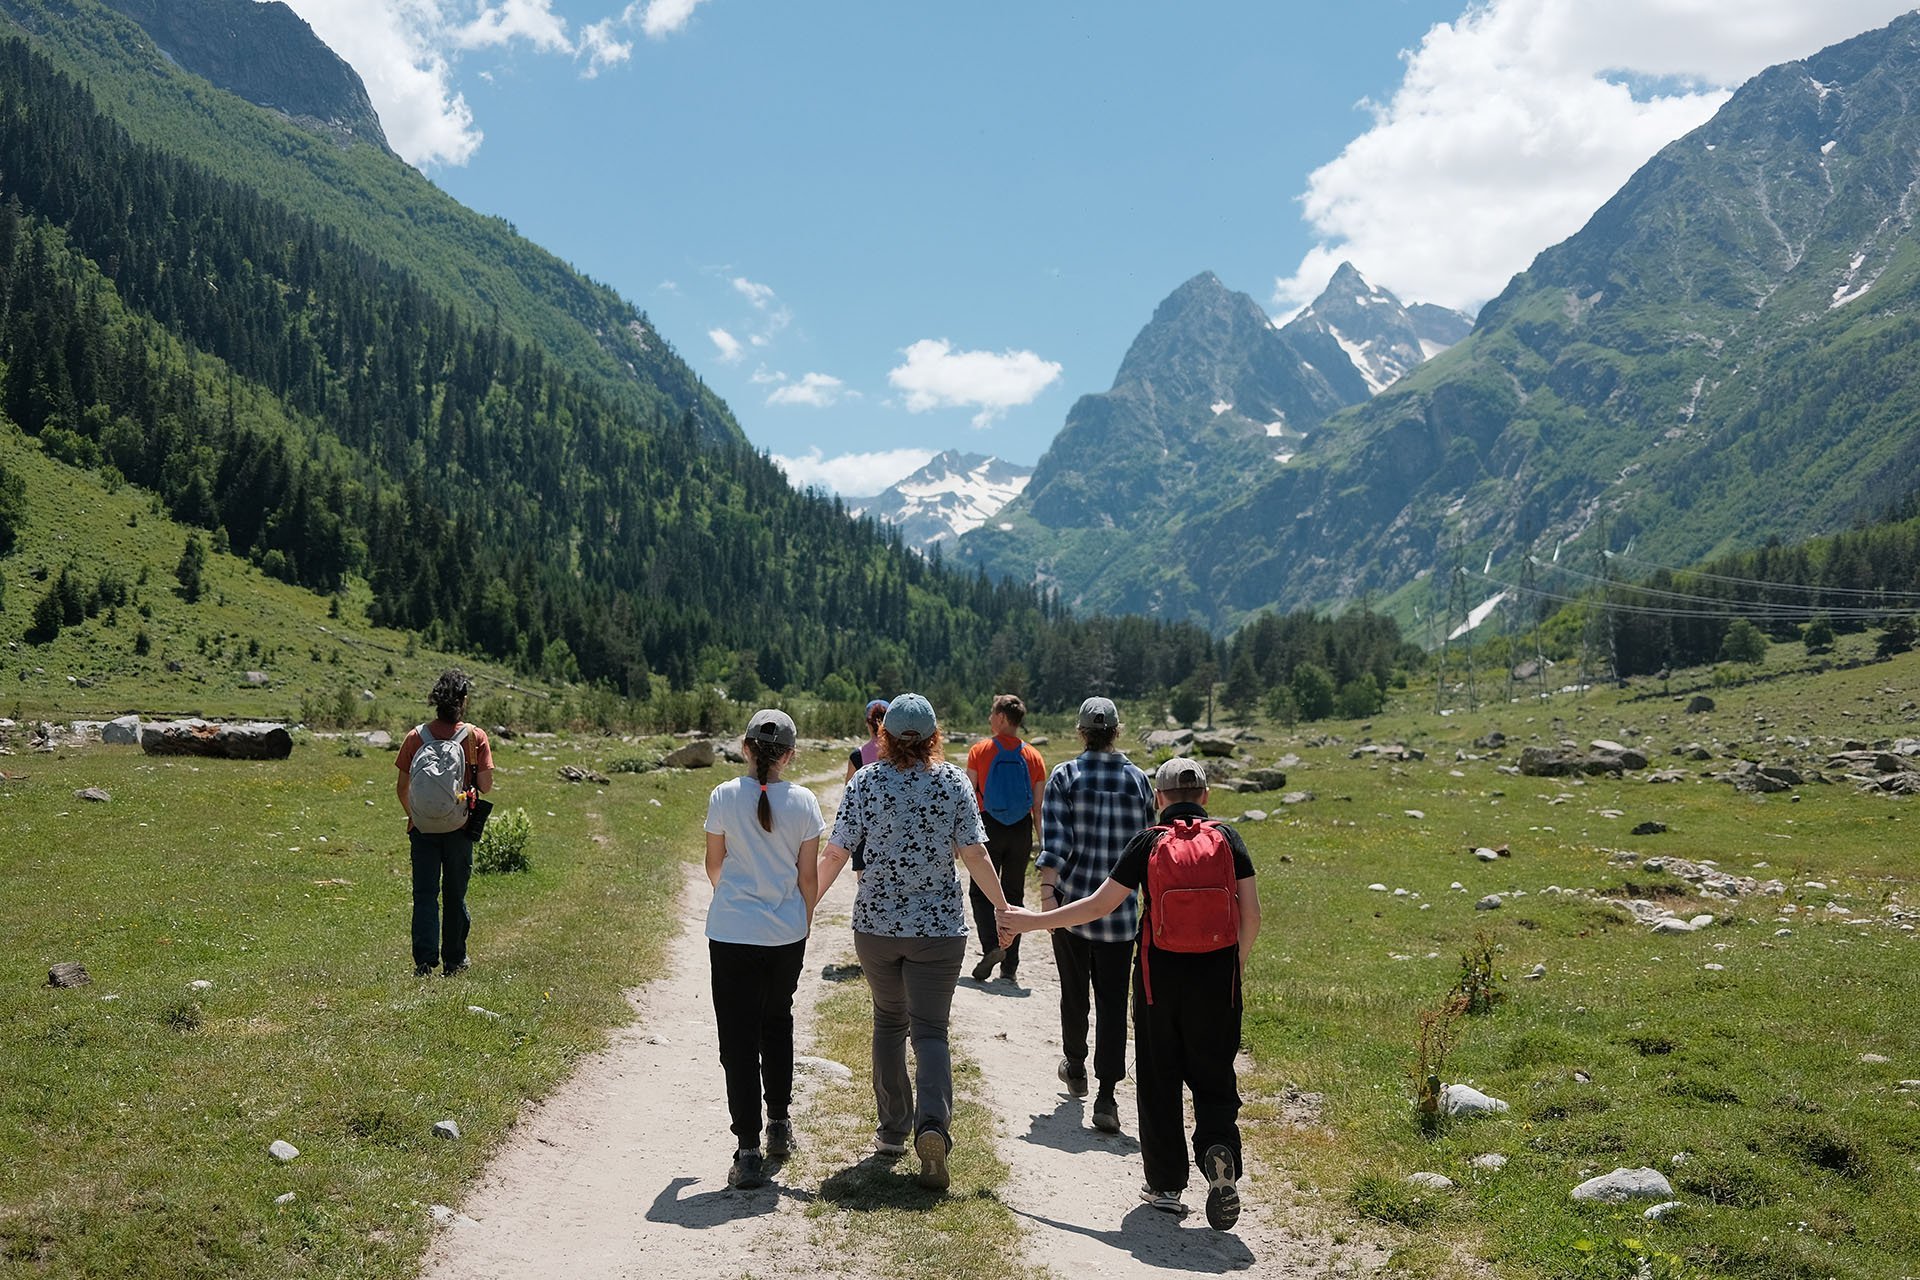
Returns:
point(1010, 846)
point(753, 1005)
point(1103, 967)
point(442, 866)
point(1187, 1037)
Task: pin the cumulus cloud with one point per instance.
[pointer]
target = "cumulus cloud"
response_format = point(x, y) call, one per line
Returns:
point(760, 295)
point(935, 376)
point(663, 18)
point(817, 390)
point(728, 345)
point(501, 24)
point(1515, 122)
point(853, 474)
point(601, 47)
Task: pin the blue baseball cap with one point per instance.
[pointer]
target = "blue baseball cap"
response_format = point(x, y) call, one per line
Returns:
point(910, 718)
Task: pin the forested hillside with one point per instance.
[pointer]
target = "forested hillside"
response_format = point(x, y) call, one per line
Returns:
point(326, 414)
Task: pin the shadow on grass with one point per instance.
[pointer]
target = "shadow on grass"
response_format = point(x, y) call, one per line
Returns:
point(719, 1207)
point(879, 1182)
point(1065, 1129)
point(1161, 1240)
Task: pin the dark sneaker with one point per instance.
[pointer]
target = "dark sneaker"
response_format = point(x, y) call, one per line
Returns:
point(779, 1140)
point(1073, 1075)
point(1223, 1198)
point(1106, 1113)
point(462, 967)
point(1164, 1201)
point(889, 1150)
point(1006, 976)
point(749, 1171)
point(987, 961)
point(931, 1146)
point(422, 970)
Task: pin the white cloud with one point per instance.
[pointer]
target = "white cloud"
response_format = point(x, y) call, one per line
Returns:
point(1513, 124)
point(667, 17)
point(398, 46)
point(501, 24)
point(763, 376)
point(601, 48)
point(819, 390)
point(760, 295)
point(728, 345)
point(936, 376)
point(853, 474)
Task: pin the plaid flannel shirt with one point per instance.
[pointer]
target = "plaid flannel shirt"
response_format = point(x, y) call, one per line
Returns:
point(1093, 805)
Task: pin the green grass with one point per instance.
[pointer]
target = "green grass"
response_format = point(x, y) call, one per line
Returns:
point(1795, 1157)
point(136, 1112)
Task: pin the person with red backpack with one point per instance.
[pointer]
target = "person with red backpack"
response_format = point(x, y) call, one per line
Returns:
point(1007, 777)
point(1199, 916)
point(444, 765)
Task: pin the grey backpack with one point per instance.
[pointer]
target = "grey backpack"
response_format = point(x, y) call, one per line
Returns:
point(437, 781)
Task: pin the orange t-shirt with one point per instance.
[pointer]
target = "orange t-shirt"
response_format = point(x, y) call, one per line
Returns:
point(479, 751)
point(980, 759)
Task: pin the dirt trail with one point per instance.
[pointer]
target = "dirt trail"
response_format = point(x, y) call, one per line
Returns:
point(622, 1172)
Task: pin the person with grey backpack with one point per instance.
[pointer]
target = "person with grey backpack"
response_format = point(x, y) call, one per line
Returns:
point(444, 766)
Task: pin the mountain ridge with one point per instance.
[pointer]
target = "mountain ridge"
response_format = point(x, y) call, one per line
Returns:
point(949, 495)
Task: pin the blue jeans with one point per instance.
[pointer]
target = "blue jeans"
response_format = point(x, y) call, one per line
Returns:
point(442, 865)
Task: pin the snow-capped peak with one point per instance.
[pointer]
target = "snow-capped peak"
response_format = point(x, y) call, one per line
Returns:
point(953, 493)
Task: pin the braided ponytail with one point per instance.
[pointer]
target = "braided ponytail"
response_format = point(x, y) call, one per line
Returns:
point(764, 756)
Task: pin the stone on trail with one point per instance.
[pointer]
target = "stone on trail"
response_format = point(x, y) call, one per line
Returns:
point(1465, 1100)
point(68, 973)
point(93, 795)
point(282, 1150)
point(825, 1067)
point(448, 1129)
point(1625, 1184)
point(1431, 1181)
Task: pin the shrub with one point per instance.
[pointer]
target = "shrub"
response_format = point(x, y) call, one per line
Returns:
point(1391, 1200)
point(503, 845)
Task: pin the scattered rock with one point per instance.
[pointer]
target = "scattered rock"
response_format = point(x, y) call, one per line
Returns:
point(258, 679)
point(1254, 815)
point(286, 1197)
point(484, 1013)
point(68, 973)
point(1215, 747)
point(448, 1129)
point(1431, 1181)
point(93, 795)
point(1625, 1184)
point(1266, 779)
point(1158, 739)
point(200, 984)
point(282, 1150)
point(124, 732)
point(573, 773)
point(1698, 703)
point(1874, 1059)
point(1489, 903)
point(825, 1067)
point(1650, 828)
point(1398, 752)
point(1415, 813)
point(1488, 854)
point(840, 972)
point(1465, 1100)
point(1377, 887)
point(1296, 797)
point(378, 739)
point(1491, 1160)
point(1653, 1213)
point(1672, 924)
point(1536, 973)
point(694, 755)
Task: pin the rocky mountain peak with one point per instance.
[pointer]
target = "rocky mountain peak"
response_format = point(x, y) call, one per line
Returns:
point(1379, 337)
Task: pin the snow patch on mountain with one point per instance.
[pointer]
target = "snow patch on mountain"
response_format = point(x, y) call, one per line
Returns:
point(1380, 338)
point(953, 493)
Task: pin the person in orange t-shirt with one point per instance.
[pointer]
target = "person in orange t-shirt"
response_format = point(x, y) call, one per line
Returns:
point(1008, 779)
point(443, 860)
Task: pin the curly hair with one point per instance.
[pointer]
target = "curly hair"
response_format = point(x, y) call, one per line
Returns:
point(910, 753)
point(452, 688)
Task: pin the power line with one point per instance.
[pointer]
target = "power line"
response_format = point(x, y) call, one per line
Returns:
point(1770, 586)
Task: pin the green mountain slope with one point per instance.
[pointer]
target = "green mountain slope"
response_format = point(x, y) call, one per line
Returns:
point(359, 188)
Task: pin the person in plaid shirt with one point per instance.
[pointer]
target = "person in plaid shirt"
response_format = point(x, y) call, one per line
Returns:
point(1093, 805)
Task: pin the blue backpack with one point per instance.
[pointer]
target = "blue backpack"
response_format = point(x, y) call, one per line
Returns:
point(1007, 796)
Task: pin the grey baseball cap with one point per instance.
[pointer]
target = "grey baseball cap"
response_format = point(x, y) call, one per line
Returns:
point(772, 726)
point(1099, 713)
point(1180, 774)
point(910, 718)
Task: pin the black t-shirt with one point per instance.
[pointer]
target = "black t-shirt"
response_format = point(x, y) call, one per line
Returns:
point(1131, 870)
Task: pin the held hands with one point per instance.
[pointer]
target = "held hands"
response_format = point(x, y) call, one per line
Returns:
point(1015, 920)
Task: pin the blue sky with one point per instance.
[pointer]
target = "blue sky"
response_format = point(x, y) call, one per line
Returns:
point(880, 230)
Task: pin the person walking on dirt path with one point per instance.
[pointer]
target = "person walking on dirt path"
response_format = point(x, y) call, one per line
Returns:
point(1093, 805)
point(444, 765)
point(911, 813)
point(1008, 776)
point(1198, 922)
point(763, 843)
point(869, 751)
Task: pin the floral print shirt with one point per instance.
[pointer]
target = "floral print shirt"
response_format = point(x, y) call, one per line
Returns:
point(907, 825)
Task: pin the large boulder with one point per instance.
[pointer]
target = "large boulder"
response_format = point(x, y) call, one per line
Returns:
point(250, 741)
point(1214, 746)
point(697, 754)
point(1173, 739)
point(124, 732)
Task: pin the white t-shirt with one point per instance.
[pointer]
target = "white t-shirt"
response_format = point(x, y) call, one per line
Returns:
point(758, 898)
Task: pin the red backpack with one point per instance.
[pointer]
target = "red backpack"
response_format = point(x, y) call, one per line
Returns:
point(1193, 897)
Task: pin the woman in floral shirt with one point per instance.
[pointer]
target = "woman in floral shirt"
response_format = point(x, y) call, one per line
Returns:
point(909, 813)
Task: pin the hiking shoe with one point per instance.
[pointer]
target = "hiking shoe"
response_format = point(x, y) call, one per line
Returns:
point(1164, 1201)
point(987, 961)
point(889, 1150)
point(462, 967)
point(1223, 1198)
point(1106, 1112)
point(1006, 976)
point(1073, 1075)
point(423, 971)
point(749, 1171)
point(779, 1140)
point(931, 1146)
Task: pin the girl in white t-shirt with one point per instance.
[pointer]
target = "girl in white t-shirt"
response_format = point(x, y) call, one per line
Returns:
point(762, 839)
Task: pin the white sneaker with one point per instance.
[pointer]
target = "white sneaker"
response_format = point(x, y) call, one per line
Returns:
point(1165, 1201)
